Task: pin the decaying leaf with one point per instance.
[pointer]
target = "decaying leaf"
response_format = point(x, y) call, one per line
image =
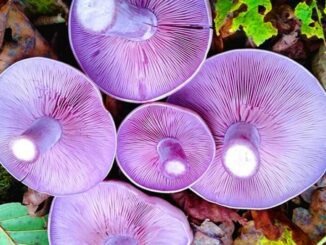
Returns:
point(250, 235)
point(307, 195)
point(273, 223)
point(224, 11)
point(249, 18)
point(265, 222)
point(17, 227)
point(200, 210)
point(4, 10)
point(209, 233)
point(313, 221)
point(38, 204)
point(309, 26)
point(282, 17)
point(21, 39)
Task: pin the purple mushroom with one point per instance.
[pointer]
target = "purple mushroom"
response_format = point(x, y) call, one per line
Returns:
point(164, 147)
point(116, 213)
point(55, 134)
point(267, 115)
point(140, 50)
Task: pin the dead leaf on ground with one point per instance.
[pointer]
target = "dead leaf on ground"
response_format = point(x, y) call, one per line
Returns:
point(21, 40)
point(313, 221)
point(38, 204)
point(273, 222)
point(199, 210)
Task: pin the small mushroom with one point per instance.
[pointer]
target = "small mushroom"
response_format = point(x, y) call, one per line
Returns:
point(267, 115)
point(55, 134)
point(116, 213)
point(137, 50)
point(164, 147)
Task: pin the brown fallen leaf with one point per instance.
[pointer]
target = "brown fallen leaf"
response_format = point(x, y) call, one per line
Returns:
point(4, 10)
point(199, 210)
point(272, 223)
point(265, 222)
point(21, 40)
point(38, 204)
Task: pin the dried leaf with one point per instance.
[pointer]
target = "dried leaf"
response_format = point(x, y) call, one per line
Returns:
point(248, 235)
point(200, 210)
point(4, 10)
point(37, 203)
point(23, 40)
point(264, 222)
point(207, 233)
point(313, 222)
point(273, 223)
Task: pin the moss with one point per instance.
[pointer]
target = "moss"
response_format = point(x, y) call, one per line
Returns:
point(10, 188)
point(41, 7)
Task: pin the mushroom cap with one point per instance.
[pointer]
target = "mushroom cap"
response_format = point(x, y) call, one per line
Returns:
point(287, 106)
point(39, 87)
point(142, 71)
point(142, 133)
point(115, 209)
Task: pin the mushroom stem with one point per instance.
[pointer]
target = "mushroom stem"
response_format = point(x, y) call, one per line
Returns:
point(37, 139)
point(121, 240)
point(240, 155)
point(172, 157)
point(117, 18)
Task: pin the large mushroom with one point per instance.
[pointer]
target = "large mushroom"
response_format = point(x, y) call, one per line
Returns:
point(267, 115)
point(138, 50)
point(55, 134)
point(116, 213)
point(164, 148)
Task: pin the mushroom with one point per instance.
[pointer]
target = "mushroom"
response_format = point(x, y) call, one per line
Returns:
point(267, 115)
point(116, 213)
point(55, 134)
point(140, 51)
point(164, 148)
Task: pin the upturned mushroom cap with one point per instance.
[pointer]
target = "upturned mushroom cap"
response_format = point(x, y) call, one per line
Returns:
point(134, 64)
point(55, 134)
point(267, 115)
point(114, 213)
point(164, 148)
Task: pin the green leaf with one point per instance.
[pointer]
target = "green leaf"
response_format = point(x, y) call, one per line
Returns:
point(309, 26)
point(17, 227)
point(251, 21)
point(223, 9)
point(322, 241)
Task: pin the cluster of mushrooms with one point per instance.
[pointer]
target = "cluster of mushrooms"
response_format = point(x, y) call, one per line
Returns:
point(243, 129)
